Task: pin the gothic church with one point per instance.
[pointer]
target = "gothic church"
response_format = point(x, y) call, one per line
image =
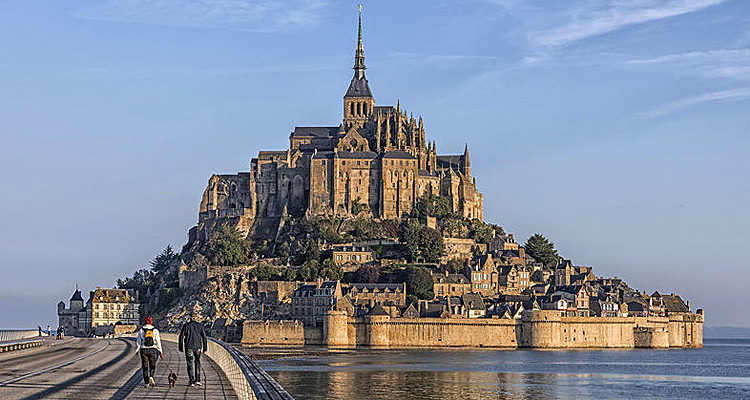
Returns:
point(378, 157)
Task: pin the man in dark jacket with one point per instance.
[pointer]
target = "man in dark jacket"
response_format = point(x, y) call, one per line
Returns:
point(192, 340)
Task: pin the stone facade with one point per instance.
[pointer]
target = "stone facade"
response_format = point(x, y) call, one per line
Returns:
point(377, 160)
point(105, 308)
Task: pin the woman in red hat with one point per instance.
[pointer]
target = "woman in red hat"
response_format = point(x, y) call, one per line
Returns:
point(148, 343)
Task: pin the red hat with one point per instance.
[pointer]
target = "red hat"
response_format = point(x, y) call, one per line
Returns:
point(149, 320)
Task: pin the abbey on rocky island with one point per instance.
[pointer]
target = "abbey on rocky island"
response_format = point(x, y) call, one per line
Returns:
point(377, 160)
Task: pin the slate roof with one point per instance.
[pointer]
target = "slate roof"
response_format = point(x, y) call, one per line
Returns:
point(379, 286)
point(305, 291)
point(450, 278)
point(378, 310)
point(369, 155)
point(315, 131)
point(572, 289)
point(323, 154)
point(398, 154)
point(674, 304)
point(433, 310)
point(76, 296)
point(358, 87)
point(329, 285)
point(447, 161)
point(636, 306)
point(473, 301)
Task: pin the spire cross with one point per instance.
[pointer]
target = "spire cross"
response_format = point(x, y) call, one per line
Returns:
point(359, 57)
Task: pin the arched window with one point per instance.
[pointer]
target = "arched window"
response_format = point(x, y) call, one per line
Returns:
point(364, 108)
point(359, 108)
point(351, 107)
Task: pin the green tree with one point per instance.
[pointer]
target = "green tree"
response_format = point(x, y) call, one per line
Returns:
point(480, 232)
point(368, 274)
point(431, 244)
point(310, 251)
point(163, 260)
point(455, 266)
point(409, 237)
point(432, 206)
point(289, 274)
point(420, 242)
point(419, 283)
point(309, 271)
point(331, 271)
point(542, 250)
point(227, 247)
point(357, 206)
point(412, 299)
point(265, 272)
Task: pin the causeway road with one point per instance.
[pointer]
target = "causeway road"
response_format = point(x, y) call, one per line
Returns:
point(77, 368)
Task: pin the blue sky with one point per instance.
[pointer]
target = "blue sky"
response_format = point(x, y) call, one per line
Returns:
point(619, 129)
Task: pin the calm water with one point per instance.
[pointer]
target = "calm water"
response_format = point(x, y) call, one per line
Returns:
point(721, 370)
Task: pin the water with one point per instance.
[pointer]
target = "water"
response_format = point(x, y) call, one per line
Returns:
point(720, 370)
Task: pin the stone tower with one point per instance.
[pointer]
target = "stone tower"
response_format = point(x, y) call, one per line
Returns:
point(358, 101)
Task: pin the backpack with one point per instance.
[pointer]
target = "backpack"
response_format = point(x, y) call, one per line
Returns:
point(148, 337)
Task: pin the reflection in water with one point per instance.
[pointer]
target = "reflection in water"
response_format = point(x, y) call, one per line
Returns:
point(378, 385)
point(721, 372)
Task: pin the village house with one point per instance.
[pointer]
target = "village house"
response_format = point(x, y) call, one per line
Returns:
point(311, 303)
point(474, 305)
point(445, 284)
point(604, 307)
point(483, 275)
point(114, 307)
point(352, 254)
point(376, 293)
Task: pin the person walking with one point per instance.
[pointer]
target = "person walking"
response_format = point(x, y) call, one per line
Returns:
point(148, 344)
point(192, 340)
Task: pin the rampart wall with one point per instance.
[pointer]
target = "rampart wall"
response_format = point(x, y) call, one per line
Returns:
point(536, 329)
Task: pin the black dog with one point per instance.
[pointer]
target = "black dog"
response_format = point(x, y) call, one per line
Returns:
point(172, 378)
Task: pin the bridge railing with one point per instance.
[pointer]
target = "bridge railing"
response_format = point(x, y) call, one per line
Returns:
point(248, 381)
point(9, 335)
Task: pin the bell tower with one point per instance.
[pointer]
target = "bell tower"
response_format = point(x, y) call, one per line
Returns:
point(358, 100)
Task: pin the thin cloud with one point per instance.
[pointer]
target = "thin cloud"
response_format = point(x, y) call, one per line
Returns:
point(733, 95)
point(726, 63)
point(594, 19)
point(406, 59)
point(247, 15)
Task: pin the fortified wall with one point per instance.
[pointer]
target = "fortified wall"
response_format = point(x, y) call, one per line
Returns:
point(536, 329)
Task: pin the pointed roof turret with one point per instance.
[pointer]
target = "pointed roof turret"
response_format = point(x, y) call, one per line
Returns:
point(76, 296)
point(467, 161)
point(359, 86)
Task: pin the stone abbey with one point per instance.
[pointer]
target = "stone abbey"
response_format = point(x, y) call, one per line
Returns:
point(378, 158)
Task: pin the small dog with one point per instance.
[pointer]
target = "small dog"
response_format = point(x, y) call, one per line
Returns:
point(172, 378)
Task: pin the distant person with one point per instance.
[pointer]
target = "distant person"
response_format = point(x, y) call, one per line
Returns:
point(192, 340)
point(61, 332)
point(149, 344)
point(40, 329)
point(49, 330)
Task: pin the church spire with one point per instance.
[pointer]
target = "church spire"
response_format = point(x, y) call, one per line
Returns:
point(359, 56)
point(466, 161)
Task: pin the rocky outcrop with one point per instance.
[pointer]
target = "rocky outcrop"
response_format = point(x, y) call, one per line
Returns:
point(227, 295)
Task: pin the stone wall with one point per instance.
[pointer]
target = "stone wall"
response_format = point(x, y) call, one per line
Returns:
point(273, 333)
point(536, 329)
